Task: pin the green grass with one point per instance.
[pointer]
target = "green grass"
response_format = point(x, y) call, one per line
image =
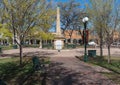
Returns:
point(114, 66)
point(4, 60)
point(113, 57)
point(6, 47)
point(14, 74)
point(113, 76)
point(34, 46)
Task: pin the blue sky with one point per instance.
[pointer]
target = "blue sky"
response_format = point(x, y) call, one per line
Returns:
point(82, 2)
point(69, 0)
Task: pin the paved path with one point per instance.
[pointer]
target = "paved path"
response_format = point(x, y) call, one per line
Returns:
point(64, 53)
point(71, 71)
point(66, 69)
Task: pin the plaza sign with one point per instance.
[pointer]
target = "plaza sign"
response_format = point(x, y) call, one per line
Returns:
point(58, 44)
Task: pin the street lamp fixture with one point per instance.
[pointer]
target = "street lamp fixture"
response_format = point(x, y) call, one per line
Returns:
point(85, 20)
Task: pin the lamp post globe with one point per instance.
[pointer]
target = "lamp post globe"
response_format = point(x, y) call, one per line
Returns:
point(85, 20)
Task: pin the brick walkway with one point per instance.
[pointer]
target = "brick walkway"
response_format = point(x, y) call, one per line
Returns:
point(71, 71)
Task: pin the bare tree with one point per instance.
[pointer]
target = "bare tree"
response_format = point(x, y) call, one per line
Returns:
point(111, 21)
point(104, 19)
point(95, 14)
point(71, 16)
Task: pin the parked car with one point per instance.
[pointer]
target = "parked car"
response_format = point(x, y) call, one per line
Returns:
point(92, 43)
point(115, 44)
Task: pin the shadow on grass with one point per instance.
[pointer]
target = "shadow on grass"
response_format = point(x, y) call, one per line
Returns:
point(114, 66)
point(113, 76)
point(14, 74)
point(97, 59)
point(56, 74)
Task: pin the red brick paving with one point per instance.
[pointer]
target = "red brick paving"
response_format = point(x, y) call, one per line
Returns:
point(85, 74)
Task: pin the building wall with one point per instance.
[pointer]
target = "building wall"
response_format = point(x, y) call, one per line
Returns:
point(76, 35)
point(115, 35)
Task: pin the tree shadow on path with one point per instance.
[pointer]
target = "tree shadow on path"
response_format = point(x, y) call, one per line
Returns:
point(58, 75)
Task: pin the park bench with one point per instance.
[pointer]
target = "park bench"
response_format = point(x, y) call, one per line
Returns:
point(38, 64)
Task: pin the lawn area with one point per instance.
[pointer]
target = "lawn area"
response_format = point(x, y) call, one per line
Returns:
point(14, 74)
point(114, 66)
point(6, 47)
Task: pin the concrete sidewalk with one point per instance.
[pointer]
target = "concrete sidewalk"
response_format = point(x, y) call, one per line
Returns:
point(65, 52)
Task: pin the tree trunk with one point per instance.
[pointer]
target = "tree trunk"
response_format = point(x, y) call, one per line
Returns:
point(21, 54)
point(101, 49)
point(109, 56)
point(101, 43)
point(14, 36)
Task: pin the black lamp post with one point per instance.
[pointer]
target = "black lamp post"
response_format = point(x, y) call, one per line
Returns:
point(85, 20)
